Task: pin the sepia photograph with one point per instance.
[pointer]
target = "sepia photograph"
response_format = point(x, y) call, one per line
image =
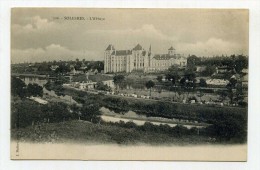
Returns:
point(129, 84)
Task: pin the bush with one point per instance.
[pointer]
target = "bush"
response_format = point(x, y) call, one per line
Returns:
point(25, 113)
point(91, 112)
point(179, 131)
point(192, 98)
point(242, 103)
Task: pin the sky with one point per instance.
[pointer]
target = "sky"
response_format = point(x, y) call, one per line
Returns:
point(37, 35)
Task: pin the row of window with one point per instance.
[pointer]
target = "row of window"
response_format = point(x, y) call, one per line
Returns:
point(115, 70)
point(124, 58)
point(116, 58)
point(141, 64)
point(139, 60)
point(166, 64)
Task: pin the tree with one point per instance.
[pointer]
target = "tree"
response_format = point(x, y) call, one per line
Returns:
point(223, 94)
point(188, 82)
point(149, 85)
point(228, 129)
point(173, 76)
point(44, 67)
point(209, 70)
point(59, 112)
point(192, 61)
point(78, 64)
point(62, 69)
point(240, 63)
point(76, 110)
point(159, 91)
point(230, 87)
point(57, 85)
point(159, 78)
point(91, 112)
point(202, 84)
point(239, 92)
point(24, 113)
point(99, 65)
point(34, 90)
point(118, 79)
point(18, 87)
point(102, 86)
point(190, 75)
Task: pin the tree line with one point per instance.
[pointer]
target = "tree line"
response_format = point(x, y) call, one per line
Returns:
point(28, 113)
point(237, 62)
point(63, 67)
point(19, 88)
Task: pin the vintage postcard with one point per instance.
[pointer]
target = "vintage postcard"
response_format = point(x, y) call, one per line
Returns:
point(129, 84)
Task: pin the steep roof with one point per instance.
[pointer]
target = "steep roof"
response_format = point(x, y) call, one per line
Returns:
point(138, 47)
point(110, 47)
point(162, 57)
point(166, 56)
point(171, 48)
point(121, 52)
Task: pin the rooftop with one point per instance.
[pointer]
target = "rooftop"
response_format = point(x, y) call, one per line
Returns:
point(110, 47)
point(166, 56)
point(121, 52)
point(171, 48)
point(138, 47)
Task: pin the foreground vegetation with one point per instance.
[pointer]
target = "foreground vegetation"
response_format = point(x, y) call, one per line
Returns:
point(29, 119)
point(120, 133)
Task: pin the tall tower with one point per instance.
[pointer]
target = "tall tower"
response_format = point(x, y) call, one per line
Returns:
point(138, 58)
point(150, 50)
point(149, 56)
point(107, 58)
point(171, 51)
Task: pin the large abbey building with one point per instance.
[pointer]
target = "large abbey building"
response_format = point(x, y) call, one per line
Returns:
point(139, 59)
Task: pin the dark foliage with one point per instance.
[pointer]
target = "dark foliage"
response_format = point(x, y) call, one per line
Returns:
point(18, 87)
point(34, 90)
point(101, 86)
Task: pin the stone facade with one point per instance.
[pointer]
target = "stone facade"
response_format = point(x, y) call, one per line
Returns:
point(139, 59)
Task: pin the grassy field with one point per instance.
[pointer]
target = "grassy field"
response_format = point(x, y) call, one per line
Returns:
point(86, 132)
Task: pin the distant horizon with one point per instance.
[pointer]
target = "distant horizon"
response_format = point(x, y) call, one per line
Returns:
point(103, 60)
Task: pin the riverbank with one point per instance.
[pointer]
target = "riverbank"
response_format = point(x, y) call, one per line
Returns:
point(130, 116)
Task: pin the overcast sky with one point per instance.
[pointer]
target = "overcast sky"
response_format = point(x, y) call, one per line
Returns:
point(37, 36)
